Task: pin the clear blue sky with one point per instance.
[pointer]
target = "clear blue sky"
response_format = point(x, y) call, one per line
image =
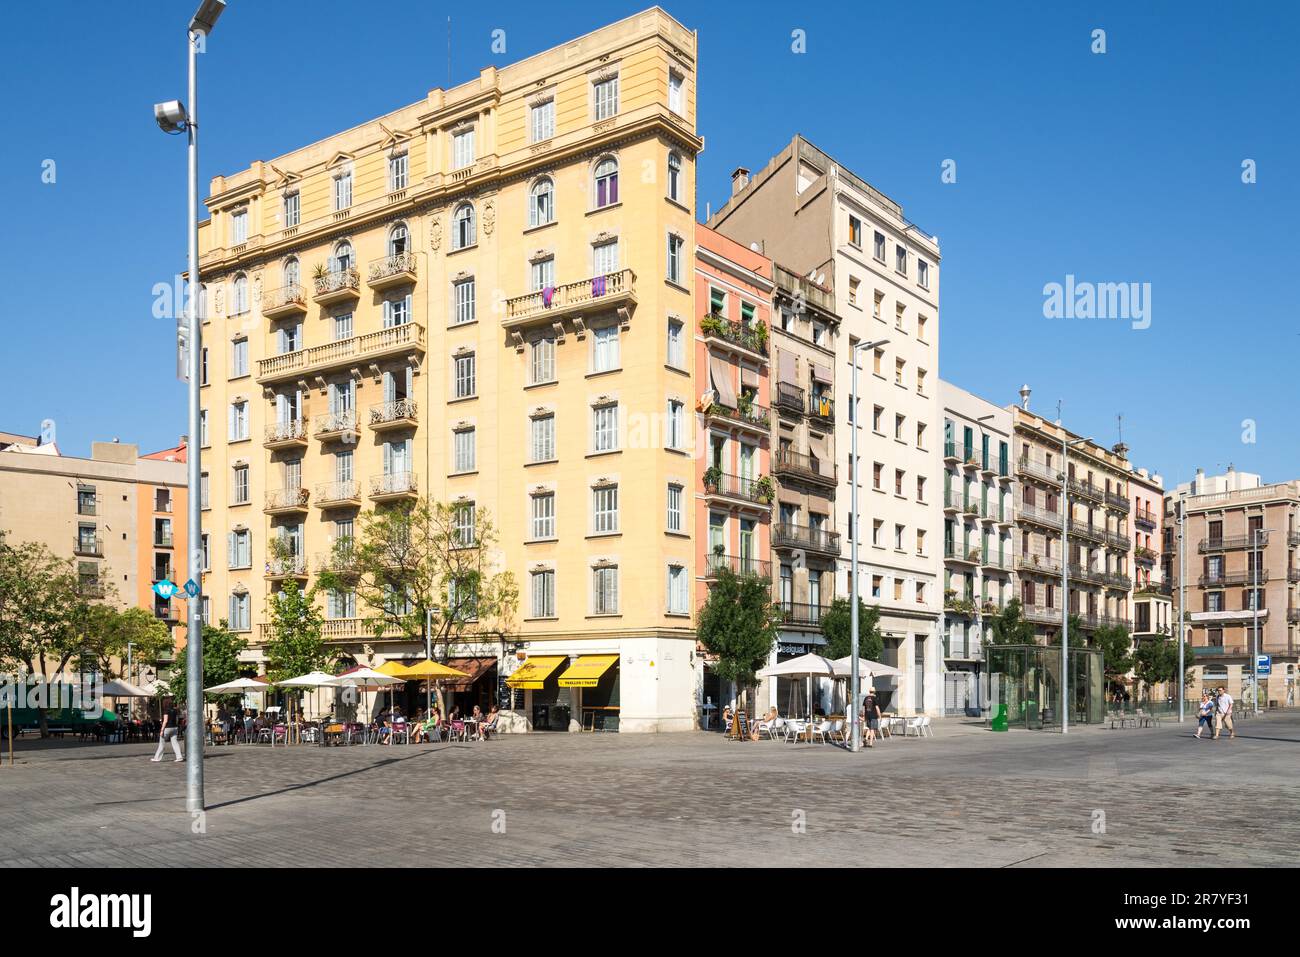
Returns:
point(1122, 167)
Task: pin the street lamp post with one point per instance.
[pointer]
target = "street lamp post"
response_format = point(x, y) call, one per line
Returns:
point(1182, 632)
point(854, 676)
point(1066, 445)
point(172, 117)
point(1254, 606)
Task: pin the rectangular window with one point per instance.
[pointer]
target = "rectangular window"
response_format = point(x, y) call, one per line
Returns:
point(542, 438)
point(878, 246)
point(604, 428)
point(604, 258)
point(397, 312)
point(340, 604)
point(464, 459)
point(543, 593)
point(923, 273)
point(343, 466)
point(239, 485)
point(342, 191)
point(396, 173)
point(292, 210)
point(240, 549)
point(462, 524)
point(462, 149)
point(343, 326)
point(605, 98)
point(464, 297)
point(203, 428)
point(542, 366)
point(604, 509)
point(900, 259)
point(239, 227)
point(239, 617)
point(604, 349)
point(674, 508)
point(238, 358)
point(855, 231)
point(676, 425)
point(604, 590)
point(541, 275)
point(677, 590)
point(676, 344)
point(465, 375)
point(238, 421)
point(676, 86)
point(203, 494)
point(543, 121)
point(675, 244)
point(543, 516)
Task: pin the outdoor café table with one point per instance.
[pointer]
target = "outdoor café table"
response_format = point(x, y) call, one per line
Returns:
point(471, 728)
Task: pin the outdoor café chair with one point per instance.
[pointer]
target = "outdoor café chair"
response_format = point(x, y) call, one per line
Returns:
point(820, 729)
point(912, 724)
point(926, 727)
point(793, 728)
point(773, 727)
point(837, 732)
point(402, 731)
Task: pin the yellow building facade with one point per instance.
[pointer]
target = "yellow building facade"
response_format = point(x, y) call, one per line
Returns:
point(484, 297)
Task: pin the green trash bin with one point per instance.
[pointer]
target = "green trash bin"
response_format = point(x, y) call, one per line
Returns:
point(1000, 718)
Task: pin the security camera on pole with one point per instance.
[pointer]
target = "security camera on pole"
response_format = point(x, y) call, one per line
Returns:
point(172, 117)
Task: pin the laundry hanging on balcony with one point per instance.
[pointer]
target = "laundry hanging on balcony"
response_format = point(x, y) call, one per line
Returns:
point(598, 286)
point(548, 293)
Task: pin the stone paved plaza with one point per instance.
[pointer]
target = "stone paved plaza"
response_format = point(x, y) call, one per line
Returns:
point(965, 797)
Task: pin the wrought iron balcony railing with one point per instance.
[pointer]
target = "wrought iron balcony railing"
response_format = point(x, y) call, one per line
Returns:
point(737, 565)
point(340, 282)
point(393, 484)
point(399, 267)
point(790, 535)
point(391, 413)
point(788, 461)
point(1234, 543)
point(285, 300)
point(789, 397)
point(750, 338)
point(286, 499)
point(802, 613)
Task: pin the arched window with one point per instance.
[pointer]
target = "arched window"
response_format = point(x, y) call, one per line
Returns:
point(239, 305)
point(606, 182)
point(343, 257)
point(674, 177)
point(541, 202)
point(399, 240)
point(292, 272)
point(462, 232)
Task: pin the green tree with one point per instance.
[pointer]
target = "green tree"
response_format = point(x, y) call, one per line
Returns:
point(837, 629)
point(221, 648)
point(738, 623)
point(1116, 651)
point(1078, 639)
point(295, 645)
point(1009, 626)
point(430, 558)
point(1155, 661)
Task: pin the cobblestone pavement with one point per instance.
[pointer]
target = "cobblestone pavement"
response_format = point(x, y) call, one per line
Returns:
point(965, 797)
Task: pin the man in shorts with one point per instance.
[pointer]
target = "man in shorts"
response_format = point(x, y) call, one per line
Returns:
point(871, 711)
point(1223, 717)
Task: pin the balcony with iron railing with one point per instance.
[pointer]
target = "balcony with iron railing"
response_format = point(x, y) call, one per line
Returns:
point(89, 545)
point(1117, 580)
point(802, 614)
point(738, 488)
point(1038, 515)
point(395, 270)
point(1234, 543)
point(290, 300)
point(337, 285)
point(338, 494)
point(952, 500)
point(1145, 516)
point(994, 561)
point(1293, 615)
point(736, 564)
point(821, 406)
point(394, 486)
point(787, 462)
point(162, 540)
point(1086, 573)
point(286, 501)
point(286, 435)
point(1293, 538)
point(404, 340)
point(1225, 578)
point(571, 300)
point(1039, 564)
point(751, 340)
point(1118, 499)
point(1293, 574)
point(287, 566)
point(950, 455)
point(398, 414)
point(1146, 556)
point(755, 417)
point(1119, 540)
point(1041, 614)
point(790, 398)
point(810, 538)
point(1033, 468)
point(1082, 488)
point(1093, 533)
point(336, 426)
point(956, 552)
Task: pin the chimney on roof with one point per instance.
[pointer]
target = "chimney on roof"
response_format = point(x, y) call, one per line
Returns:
point(185, 440)
point(1024, 396)
point(739, 180)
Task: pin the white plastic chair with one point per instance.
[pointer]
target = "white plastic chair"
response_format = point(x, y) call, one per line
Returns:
point(821, 730)
point(926, 729)
point(913, 724)
point(793, 728)
point(837, 732)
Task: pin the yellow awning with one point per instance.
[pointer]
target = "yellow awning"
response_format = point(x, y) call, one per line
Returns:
point(586, 671)
point(534, 671)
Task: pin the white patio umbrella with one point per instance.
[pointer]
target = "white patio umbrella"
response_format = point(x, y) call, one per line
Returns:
point(238, 685)
point(312, 679)
point(809, 666)
point(119, 688)
point(365, 678)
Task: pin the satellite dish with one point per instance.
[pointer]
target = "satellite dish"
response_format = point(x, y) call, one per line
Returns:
point(821, 280)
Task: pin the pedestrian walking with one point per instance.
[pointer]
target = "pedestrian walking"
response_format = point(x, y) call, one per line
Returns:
point(871, 711)
point(1224, 716)
point(1205, 717)
point(170, 731)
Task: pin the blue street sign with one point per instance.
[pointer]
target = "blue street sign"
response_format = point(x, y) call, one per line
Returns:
point(1264, 664)
point(191, 588)
point(164, 589)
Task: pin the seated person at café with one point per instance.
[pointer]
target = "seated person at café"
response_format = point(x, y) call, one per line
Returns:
point(477, 717)
point(763, 724)
point(490, 725)
point(417, 727)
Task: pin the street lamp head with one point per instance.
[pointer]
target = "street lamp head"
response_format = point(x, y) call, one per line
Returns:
point(170, 116)
point(206, 17)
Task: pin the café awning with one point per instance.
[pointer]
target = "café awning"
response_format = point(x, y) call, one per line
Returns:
point(472, 668)
point(533, 672)
point(586, 671)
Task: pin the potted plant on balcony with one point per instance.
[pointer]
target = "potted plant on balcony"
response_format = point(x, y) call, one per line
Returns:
point(763, 489)
point(758, 334)
point(712, 476)
point(319, 271)
point(712, 325)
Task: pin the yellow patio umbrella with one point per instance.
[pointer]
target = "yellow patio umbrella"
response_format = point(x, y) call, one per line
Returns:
point(427, 669)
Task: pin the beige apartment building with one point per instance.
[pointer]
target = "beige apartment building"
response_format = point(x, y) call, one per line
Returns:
point(479, 297)
point(979, 517)
point(118, 515)
point(823, 222)
point(1242, 588)
point(1101, 544)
